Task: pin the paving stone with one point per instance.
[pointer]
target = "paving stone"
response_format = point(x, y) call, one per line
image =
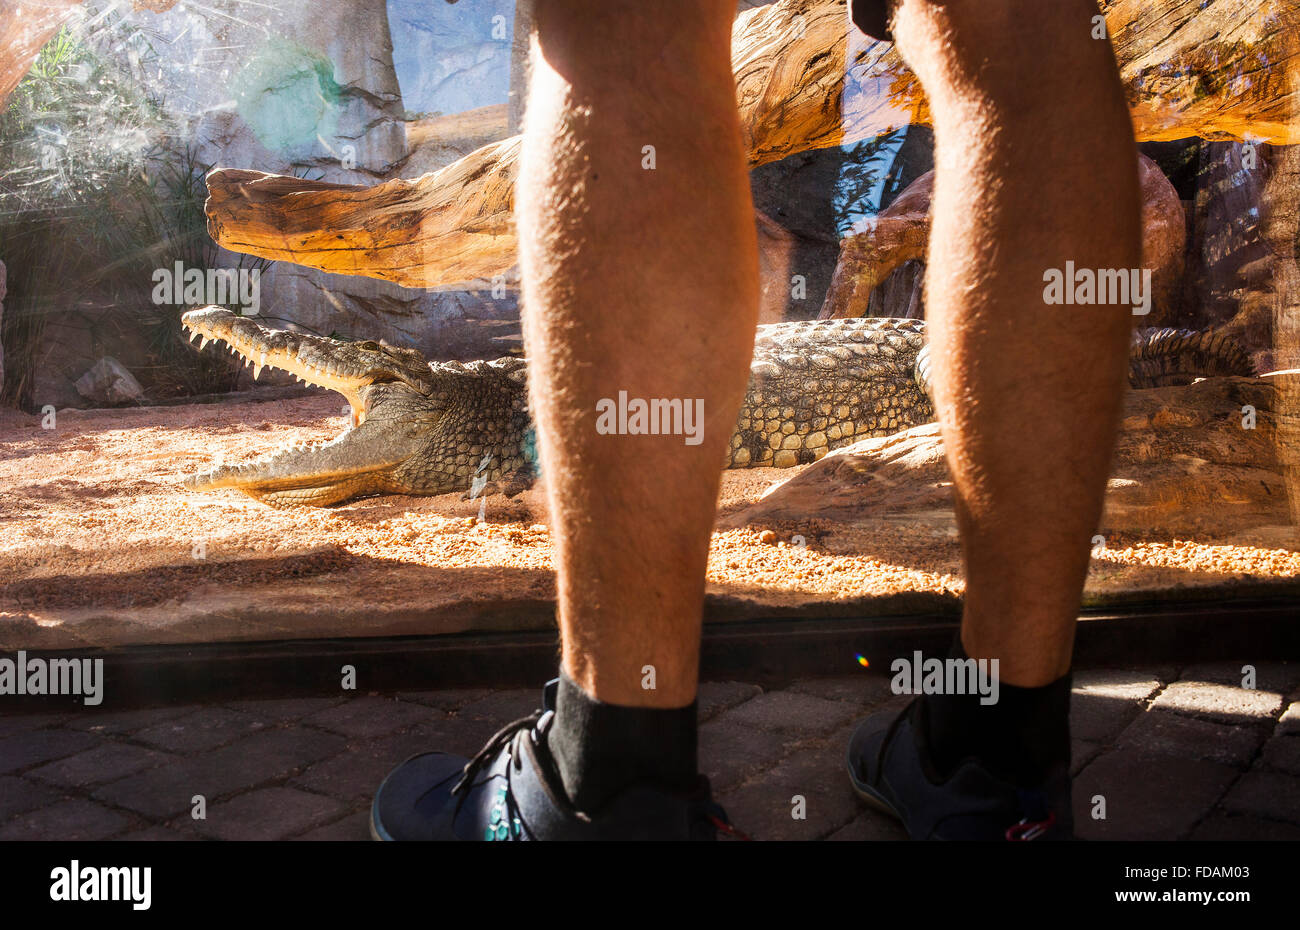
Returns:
point(1283, 753)
point(1289, 723)
point(1147, 796)
point(157, 834)
point(1121, 684)
point(268, 814)
point(13, 724)
point(74, 819)
point(1224, 703)
point(106, 762)
point(1161, 731)
point(1081, 753)
point(730, 752)
point(503, 706)
point(444, 700)
point(167, 791)
point(206, 728)
point(1223, 826)
point(1099, 717)
point(865, 690)
point(352, 828)
point(800, 715)
point(370, 716)
point(1266, 794)
point(1269, 675)
point(36, 746)
point(764, 806)
point(122, 722)
point(870, 827)
point(287, 709)
point(354, 774)
point(717, 696)
point(19, 794)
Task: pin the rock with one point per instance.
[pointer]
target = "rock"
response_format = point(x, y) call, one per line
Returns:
point(798, 193)
point(878, 246)
point(1183, 464)
point(776, 250)
point(109, 384)
point(452, 58)
point(312, 85)
point(901, 232)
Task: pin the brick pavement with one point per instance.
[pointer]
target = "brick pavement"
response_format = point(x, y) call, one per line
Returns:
point(1176, 753)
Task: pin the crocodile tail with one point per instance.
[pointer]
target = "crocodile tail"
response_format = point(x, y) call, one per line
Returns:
point(1158, 358)
point(922, 370)
point(1164, 357)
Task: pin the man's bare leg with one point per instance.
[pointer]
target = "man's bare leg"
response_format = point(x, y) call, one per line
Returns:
point(639, 279)
point(640, 275)
point(1036, 166)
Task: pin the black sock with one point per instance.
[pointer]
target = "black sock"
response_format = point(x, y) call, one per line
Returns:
point(599, 749)
point(1021, 738)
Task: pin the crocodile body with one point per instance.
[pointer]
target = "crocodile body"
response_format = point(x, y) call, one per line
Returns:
point(428, 428)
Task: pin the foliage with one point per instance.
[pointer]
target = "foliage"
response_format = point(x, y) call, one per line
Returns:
point(91, 201)
point(860, 173)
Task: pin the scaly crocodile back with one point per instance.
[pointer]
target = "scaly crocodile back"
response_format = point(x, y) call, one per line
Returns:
point(817, 385)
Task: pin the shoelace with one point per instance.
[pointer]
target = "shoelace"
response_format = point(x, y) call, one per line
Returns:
point(485, 755)
point(712, 813)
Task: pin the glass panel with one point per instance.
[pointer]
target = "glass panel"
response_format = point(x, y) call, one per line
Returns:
point(337, 179)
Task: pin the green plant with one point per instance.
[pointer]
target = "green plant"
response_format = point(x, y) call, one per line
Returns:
point(73, 143)
point(91, 202)
point(859, 173)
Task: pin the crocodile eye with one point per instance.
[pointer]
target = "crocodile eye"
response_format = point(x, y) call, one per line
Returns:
point(369, 345)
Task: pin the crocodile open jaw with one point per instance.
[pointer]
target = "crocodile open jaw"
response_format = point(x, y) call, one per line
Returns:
point(353, 464)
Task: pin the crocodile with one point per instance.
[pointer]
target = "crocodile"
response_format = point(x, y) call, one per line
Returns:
point(425, 428)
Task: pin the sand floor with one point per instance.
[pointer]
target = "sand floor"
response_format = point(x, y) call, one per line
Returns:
point(99, 545)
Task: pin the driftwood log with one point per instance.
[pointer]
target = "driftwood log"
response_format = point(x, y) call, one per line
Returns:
point(1215, 68)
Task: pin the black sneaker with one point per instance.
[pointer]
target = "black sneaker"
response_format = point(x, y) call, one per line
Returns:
point(889, 765)
point(511, 791)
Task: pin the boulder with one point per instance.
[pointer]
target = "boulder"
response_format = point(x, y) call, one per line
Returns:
point(109, 384)
point(1184, 464)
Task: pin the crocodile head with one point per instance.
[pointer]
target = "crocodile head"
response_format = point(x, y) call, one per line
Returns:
point(394, 399)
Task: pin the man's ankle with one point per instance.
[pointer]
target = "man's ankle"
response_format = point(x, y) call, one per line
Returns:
point(1022, 737)
point(601, 749)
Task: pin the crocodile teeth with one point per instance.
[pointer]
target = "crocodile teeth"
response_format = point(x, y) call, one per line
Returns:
point(257, 372)
point(204, 341)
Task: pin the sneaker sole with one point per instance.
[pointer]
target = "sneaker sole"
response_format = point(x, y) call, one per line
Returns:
point(870, 795)
point(375, 833)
